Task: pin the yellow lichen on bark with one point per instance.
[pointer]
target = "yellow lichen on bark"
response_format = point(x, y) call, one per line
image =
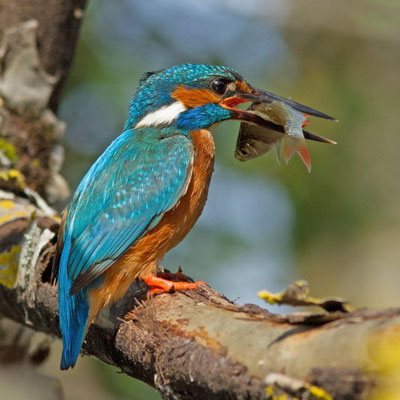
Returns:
point(13, 174)
point(9, 261)
point(384, 351)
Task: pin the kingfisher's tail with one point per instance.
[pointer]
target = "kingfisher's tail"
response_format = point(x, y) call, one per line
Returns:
point(74, 313)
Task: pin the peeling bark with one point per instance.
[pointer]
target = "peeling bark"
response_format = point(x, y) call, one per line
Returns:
point(58, 28)
point(37, 41)
point(29, 131)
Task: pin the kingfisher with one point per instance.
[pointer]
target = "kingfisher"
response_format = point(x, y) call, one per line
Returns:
point(146, 191)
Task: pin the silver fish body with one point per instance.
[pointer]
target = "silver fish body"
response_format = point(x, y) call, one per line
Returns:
point(254, 141)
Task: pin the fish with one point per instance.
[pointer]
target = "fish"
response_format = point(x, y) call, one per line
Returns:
point(286, 136)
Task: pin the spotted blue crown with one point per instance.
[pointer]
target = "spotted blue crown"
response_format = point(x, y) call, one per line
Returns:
point(155, 88)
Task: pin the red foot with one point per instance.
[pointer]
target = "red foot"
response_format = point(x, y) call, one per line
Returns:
point(160, 285)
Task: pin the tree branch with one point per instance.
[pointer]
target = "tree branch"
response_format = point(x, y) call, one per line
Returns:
point(199, 344)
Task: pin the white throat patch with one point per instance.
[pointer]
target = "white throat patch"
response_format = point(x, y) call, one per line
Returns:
point(163, 115)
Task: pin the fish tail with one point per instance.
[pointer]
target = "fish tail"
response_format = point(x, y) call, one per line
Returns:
point(296, 144)
point(74, 313)
point(277, 148)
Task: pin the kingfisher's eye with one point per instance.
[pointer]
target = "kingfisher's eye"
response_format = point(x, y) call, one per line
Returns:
point(219, 86)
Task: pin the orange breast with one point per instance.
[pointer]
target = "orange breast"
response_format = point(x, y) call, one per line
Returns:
point(142, 258)
point(177, 222)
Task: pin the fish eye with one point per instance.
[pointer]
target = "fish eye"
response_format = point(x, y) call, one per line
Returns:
point(219, 86)
point(245, 151)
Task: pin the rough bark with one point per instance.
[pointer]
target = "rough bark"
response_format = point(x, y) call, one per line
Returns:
point(58, 27)
point(192, 345)
point(198, 344)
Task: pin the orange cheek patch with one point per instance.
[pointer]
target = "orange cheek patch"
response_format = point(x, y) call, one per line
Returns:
point(242, 86)
point(194, 97)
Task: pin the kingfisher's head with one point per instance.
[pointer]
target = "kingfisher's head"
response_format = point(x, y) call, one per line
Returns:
point(196, 96)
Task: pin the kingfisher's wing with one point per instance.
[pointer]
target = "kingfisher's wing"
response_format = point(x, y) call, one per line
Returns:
point(124, 194)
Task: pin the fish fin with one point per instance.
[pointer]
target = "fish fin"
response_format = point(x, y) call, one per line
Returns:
point(306, 121)
point(277, 148)
point(295, 144)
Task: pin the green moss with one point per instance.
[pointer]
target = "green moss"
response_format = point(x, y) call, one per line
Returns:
point(9, 261)
point(36, 163)
point(270, 298)
point(8, 150)
point(318, 393)
point(274, 393)
point(13, 175)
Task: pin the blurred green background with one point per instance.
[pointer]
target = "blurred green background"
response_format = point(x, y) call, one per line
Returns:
point(264, 225)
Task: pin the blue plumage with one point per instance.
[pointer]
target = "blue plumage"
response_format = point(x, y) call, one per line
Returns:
point(126, 192)
point(202, 117)
point(74, 311)
point(155, 90)
point(122, 205)
point(110, 210)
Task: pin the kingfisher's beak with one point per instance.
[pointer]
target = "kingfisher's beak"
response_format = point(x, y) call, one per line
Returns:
point(262, 96)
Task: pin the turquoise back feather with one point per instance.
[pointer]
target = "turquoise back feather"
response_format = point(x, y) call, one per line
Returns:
point(125, 193)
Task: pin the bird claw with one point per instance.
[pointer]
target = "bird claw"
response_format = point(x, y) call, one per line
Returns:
point(161, 285)
point(177, 276)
